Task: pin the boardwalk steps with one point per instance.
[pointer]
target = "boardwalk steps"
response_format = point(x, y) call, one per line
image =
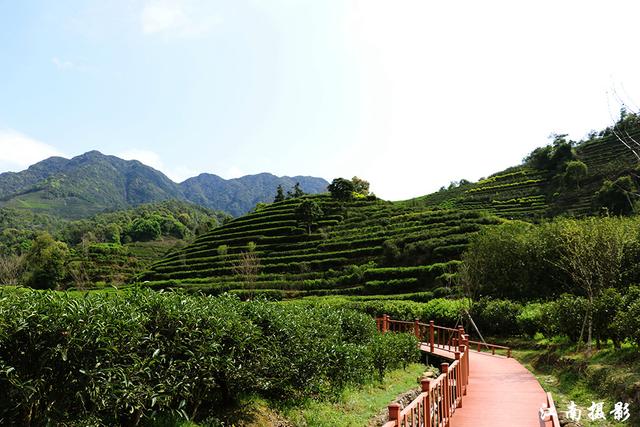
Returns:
point(476, 389)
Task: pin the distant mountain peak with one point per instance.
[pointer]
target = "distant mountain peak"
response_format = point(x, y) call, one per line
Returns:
point(95, 182)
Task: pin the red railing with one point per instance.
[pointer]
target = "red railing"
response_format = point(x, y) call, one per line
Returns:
point(549, 413)
point(440, 397)
point(479, 346)
point(438, 401)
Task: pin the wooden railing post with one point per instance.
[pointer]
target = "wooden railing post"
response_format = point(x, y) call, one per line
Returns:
point(509, 352)
point(385, 323)
point(394, 412)
point(431, 334)
point(458, 384)
point(416, 329)
point(444, 367)
point(466, 348)
point(426, 403)
point(464, 369)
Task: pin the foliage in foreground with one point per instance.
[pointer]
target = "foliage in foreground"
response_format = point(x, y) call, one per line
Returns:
point(120, 358)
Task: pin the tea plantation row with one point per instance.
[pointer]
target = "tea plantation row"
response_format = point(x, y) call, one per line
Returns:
point(121, 358)
point(526, 192)
point(361, 247)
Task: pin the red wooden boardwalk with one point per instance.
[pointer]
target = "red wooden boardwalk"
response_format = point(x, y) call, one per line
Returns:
point(476, 389)
point(501, 392)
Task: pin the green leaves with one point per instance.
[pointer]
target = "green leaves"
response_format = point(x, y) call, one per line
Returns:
point(118, 358)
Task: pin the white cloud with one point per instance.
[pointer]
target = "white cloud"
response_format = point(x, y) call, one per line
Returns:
point(19, 151)
point(65, 65)
point(62, 64)
point(182, 18)
point(150, 158)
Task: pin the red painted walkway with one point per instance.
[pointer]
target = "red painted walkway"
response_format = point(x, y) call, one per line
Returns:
point(501, 392)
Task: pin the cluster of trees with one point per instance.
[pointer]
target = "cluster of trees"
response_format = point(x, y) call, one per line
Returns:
point(345, 190)
point(46, 252)
point(552, 157)
point(521, 261)
point(615, 314)
point(291, 194)
point(559, 158)
point(43, 265)
point(619, 197)
point(143, 223)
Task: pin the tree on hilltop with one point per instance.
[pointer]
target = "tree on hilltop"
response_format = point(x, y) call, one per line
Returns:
point(279, 194)
point(297, 191)
point(360, 186)
point(625, 130)
point(341, 189)
point(552, 157)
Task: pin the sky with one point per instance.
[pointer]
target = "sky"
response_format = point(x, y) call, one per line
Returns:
point(407, 94)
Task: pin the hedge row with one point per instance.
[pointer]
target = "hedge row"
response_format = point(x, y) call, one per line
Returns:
point(117, 359)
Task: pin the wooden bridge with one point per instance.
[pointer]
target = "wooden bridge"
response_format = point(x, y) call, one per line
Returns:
point(476, 388)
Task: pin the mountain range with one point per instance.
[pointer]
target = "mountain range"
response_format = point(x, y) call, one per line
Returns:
point(94, 182)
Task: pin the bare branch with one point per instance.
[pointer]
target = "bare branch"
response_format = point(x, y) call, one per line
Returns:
point(11, 269)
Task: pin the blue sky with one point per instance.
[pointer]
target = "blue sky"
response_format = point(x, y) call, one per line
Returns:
point(407, 94)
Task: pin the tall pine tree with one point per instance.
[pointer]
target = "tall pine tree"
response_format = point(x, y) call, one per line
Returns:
point(279, 194)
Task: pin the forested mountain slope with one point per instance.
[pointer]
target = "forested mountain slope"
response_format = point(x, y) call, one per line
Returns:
point(93, 182)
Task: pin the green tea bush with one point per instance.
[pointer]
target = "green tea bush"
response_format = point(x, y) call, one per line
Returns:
point(605, 309)
point(629, 321)
point(565, 316)
point(116, 359)
point(497, 317)
point(531, 319)
point(392, 351)
point(626, 323)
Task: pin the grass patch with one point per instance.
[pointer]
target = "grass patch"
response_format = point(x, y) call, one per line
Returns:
point(355, 407)
point(571, 376)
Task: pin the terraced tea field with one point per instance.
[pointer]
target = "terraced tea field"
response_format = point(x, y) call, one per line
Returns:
point(357, 248)
point(515, 193)
point(526, 193)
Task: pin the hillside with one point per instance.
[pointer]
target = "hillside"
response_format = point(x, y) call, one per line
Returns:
point(93, 182)
point(362, 247)
point(410, 248)
point(109, 247)
point(527, 192)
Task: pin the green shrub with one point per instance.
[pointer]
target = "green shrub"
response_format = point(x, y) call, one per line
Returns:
point(605, 310)
point(392, 351)
point(626, 323)
point(531, 319)
point(497, 317)
point(629, 321)
point(565, 316)
point(119, 358)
